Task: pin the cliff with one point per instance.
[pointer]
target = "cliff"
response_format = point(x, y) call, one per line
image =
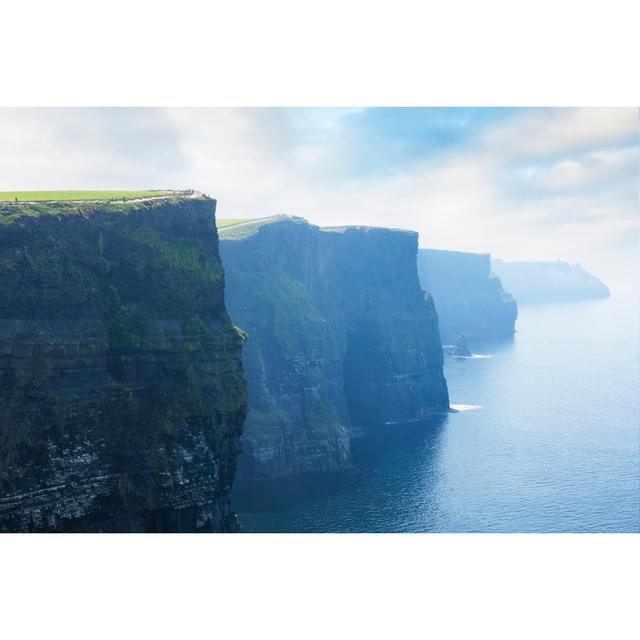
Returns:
point(121, 388)
point(533, 282)
point(469, 299)
point(340, 336)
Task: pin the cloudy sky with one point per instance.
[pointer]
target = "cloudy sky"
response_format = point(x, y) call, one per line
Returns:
point(518, 183)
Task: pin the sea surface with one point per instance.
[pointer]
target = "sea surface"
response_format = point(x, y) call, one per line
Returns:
point(547, 441)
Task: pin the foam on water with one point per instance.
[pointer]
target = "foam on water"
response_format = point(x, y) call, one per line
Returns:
point(464, 407)
point(554, 447)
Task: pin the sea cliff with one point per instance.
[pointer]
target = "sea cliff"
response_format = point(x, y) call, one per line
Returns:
point(121, 388)
point(469, 299)
point(533, 282)
point(341, 338)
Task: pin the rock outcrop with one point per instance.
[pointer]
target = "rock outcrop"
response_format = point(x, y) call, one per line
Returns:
point(533, 282)
point(122, 395)
point(461, 348)
point(469, 299)
point(340, 337)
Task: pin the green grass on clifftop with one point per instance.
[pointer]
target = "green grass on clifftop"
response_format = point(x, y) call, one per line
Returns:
point(240, 229)
point(14, 212)
point(230, 222)
point(70, 196)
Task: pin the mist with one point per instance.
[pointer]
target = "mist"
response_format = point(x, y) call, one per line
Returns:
point(521, 184)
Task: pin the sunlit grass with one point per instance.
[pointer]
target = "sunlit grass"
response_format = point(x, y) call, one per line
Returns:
point(62, 196)
point(229, 222)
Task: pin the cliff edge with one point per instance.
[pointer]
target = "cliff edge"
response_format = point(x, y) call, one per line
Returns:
point(340, 336)
point(121, 388)
point(534, 282)
point(469, 299)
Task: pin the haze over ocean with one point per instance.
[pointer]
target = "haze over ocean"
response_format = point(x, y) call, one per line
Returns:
point(552, 448)
point(122, 400)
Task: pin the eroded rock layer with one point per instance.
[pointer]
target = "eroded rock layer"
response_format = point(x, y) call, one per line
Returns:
point(340, 336)
point(122, 396)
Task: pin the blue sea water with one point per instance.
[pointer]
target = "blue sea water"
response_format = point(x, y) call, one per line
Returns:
point(551, 446)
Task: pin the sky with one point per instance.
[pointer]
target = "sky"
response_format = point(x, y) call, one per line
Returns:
point(521, 184)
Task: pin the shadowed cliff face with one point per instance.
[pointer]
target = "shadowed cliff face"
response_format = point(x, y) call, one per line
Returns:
point(393, 359)
point(340, 335)
point(121, 389)
point(468, 298)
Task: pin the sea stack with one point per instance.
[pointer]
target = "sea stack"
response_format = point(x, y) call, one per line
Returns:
point(462, 348)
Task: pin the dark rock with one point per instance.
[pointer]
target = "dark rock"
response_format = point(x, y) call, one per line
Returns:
point(340, 336)
point(461, 348)
point(121, 388)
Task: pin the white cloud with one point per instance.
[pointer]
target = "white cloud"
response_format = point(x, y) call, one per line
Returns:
point(87, 148)
point(588, 171)
point(561, 131)
point(540, 185)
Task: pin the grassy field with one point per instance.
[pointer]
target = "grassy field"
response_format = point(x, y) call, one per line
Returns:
point(239, 229)
point(61, 196)
point(229, 222)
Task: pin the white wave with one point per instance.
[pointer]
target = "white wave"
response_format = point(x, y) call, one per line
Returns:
point(464, 407)
point(474, 356)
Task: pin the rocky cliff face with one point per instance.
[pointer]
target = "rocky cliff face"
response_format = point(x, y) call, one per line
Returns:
point(340, 335)
point(469, 299)
point(121, 388)
point(533, 282)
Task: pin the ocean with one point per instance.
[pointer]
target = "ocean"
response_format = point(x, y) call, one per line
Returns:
point(547, 440)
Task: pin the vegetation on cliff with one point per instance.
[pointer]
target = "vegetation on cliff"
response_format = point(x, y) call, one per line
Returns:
point(121, 386)
point(61, 196)
point(339, 335)
point(230, 222)
point(245, 228)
